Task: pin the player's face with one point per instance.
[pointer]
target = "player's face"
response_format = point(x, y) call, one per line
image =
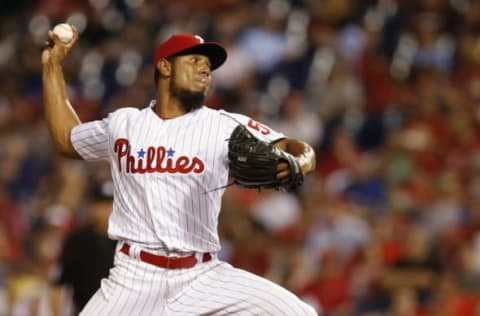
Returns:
point(193, 72)
point(191, 79)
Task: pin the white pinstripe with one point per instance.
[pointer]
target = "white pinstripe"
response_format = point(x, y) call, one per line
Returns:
point(165, 173)
point(212, 288)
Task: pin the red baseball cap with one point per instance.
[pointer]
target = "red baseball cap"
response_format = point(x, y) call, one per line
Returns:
point(191, 44)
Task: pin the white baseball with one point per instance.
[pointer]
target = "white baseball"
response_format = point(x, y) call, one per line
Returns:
point(64, 32)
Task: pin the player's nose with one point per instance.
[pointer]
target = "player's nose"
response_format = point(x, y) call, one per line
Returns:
point(205, 71)
point(204, 67)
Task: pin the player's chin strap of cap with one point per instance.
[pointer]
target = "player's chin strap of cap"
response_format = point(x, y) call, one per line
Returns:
point(164, 261)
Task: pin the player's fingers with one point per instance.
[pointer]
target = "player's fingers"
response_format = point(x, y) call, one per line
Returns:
point(283, 175)
point(282, 166)
point(54, 38)
point(74, 38)
point(283, 171)
point(74, 29)
point(48, 43)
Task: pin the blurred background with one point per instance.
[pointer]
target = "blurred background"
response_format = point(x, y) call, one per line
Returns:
point(386, 91)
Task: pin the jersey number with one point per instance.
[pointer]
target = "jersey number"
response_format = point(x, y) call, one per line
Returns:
point(258, 127)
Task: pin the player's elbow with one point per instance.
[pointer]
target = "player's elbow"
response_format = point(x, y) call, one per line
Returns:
point(65, 149)
point(62, 143)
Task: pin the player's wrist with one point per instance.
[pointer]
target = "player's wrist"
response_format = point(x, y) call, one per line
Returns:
point(307, 161)
point(52, 66)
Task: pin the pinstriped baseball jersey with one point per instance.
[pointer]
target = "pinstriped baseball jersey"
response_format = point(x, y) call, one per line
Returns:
point(169, 174)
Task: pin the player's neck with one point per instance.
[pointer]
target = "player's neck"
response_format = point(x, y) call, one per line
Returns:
point(168, 107)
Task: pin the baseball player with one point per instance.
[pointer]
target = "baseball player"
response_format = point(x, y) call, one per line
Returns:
point(166, 161)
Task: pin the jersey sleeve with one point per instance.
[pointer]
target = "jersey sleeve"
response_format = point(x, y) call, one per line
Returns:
point(91, 140)
point(261, 131)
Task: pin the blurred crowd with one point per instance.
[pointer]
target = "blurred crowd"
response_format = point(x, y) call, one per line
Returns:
point(386, 91)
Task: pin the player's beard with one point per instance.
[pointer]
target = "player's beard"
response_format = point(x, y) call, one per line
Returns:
point(189, 100)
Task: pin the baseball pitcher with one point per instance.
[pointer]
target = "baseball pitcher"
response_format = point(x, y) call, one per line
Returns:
point(170, 162)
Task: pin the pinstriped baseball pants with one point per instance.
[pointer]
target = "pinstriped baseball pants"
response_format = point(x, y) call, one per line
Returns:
point(135, 288)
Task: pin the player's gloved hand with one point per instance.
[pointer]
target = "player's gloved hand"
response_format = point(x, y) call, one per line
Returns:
point(257, 164)
point(55, 51)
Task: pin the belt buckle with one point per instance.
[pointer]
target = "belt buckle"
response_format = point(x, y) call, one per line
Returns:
point(135, 252)
point(200, 257)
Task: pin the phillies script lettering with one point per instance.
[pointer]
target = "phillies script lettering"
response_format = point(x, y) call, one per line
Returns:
point(155, 160)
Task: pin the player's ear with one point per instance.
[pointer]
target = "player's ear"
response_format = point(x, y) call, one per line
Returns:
point(164, 67)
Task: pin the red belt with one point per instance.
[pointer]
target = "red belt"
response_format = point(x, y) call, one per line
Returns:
point(167, 262)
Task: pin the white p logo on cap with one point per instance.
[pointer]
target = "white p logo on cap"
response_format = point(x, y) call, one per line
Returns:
point(199, 38)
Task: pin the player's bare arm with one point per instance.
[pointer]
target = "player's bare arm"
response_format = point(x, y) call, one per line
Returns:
point(59, 113)
point(302, 151)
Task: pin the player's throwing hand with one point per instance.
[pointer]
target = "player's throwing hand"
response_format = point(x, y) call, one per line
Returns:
point(55, 50)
